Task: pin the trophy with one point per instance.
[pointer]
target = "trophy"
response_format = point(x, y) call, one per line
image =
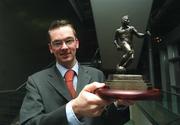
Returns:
point(127, 86)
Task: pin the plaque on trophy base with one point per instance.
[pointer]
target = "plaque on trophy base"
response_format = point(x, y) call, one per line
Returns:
point(126, 82)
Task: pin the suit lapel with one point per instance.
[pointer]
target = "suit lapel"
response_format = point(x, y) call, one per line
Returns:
point(83, 78)
point(57, 81)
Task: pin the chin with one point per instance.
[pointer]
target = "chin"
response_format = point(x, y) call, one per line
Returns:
point(66, 60)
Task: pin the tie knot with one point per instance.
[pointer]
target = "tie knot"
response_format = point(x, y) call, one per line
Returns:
point(69, 75)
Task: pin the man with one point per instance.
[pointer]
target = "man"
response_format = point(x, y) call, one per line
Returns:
point(123, 40)
point(49, 101)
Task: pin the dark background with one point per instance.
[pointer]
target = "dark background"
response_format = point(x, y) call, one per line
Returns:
point(23, 33)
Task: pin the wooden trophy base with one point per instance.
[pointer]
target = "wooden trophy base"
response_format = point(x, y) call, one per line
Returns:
point(127, 87)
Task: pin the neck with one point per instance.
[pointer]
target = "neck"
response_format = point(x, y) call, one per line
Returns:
point(69, 65)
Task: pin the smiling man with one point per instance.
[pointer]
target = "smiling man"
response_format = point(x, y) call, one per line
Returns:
point(64, 93)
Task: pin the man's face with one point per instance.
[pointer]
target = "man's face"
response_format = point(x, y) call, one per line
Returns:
point(63, 45)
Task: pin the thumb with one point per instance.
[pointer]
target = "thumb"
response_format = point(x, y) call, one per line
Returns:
point(93, 86)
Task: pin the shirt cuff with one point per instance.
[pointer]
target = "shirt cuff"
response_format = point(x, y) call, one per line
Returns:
point(71, 117)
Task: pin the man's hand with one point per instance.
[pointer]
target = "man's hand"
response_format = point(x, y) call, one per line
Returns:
point(89, 104)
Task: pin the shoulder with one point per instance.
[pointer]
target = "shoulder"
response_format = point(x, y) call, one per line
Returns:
point(94, 73)
point(42, 74)
point(90, 69)
point(41, 78)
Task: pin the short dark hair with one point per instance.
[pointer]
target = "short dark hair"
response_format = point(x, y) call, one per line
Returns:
point(60, 23)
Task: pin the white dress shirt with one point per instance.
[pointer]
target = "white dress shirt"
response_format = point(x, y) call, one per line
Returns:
point(71, 117)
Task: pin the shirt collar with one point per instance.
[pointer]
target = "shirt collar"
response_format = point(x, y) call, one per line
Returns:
point(63, 69)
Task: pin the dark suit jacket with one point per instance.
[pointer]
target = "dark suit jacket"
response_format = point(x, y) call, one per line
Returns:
point(47, 95)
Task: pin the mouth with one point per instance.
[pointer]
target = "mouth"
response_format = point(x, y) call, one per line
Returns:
point(65, 55)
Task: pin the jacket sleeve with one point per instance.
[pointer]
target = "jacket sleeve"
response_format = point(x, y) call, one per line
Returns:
point(32, 110)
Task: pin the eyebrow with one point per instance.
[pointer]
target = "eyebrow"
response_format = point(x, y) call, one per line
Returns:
point(64, 39)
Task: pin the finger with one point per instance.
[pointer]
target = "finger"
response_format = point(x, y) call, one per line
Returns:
point(93, 86)
point(92, 98)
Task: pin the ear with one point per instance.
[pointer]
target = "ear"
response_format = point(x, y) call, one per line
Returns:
point(77, 43)
point(50, 48)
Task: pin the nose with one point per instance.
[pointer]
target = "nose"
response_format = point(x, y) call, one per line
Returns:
point(64, 46)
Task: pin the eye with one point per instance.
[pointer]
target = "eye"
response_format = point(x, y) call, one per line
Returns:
point(57, 43)
point(69, 41)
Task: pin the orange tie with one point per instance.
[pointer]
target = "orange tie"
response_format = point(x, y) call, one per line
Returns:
point(69, 82)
